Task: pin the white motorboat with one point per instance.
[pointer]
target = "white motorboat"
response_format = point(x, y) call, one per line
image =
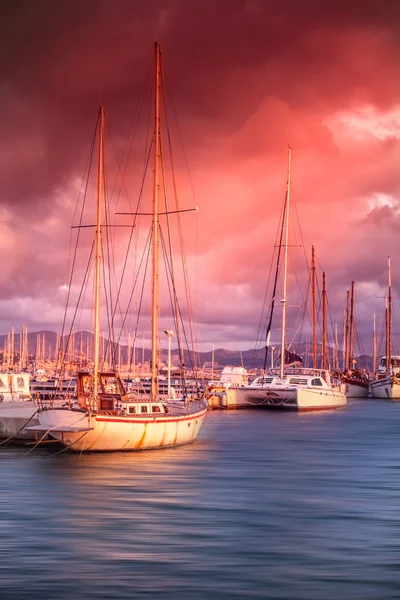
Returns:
point(223, 393)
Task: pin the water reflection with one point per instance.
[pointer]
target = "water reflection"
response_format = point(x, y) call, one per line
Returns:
point(262, 505)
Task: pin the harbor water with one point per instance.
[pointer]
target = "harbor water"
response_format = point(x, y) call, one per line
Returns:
point(262, 505)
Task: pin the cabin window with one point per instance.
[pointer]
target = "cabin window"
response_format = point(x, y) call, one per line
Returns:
point(155, 409)
point(143, 409)
point(132, 409)
point(316, 382)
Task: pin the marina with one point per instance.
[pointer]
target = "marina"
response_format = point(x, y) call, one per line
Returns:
point(199, 300)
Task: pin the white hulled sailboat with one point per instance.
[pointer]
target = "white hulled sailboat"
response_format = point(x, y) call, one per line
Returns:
point(387, 384)
point(299, 389)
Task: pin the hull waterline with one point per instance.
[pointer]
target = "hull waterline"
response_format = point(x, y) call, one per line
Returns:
point(82, 432)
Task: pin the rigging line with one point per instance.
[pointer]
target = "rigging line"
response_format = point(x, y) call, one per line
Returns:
point(262, 325)
point(166, 87)
point(185, 272)
point(173, 297)
point(169, 237)
point(78, 303)
point(141, 298)
point(127, 151)
point(122, 278)
point(90, 161)
point(182, 249)
point(177, 304)
point(147, 245)
point(268, 332)
point(110, 254)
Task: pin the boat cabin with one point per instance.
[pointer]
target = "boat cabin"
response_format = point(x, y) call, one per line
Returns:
point(14, 387)
point(394, 365)
point(112, 397)
point(294, 377)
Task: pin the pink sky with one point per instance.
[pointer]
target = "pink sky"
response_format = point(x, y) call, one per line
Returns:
point(247, 78)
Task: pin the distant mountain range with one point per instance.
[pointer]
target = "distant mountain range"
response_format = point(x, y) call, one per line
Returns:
point(46, 342)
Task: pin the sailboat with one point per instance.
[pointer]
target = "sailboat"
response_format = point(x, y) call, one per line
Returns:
point(104, 417)
point(291, 387)
point(356, 382)
point(387, 384)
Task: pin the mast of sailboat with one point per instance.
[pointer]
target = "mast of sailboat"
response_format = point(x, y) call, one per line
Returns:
point(389, 322)
point(324, 321)
point(351, 327)
point(98, 251)
point(314, 307)
point(155, 229)
point(283, 348)
point(346, 332)
point(374, 350)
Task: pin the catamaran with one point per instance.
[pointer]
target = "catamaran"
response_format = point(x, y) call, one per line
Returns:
point(291, 388)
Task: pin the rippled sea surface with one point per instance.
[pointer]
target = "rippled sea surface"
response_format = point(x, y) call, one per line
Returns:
point(262, 505)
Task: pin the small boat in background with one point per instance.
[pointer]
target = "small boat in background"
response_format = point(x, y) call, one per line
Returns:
point(387, 384)
point(17, 408)
point(223, 393)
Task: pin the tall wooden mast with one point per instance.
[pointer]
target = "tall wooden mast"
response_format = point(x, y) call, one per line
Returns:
point(324, 303)
point(314, 307)
point(155, 228)
point(374, 350)
point(283, 349)
point(98, 248)
point(346, 332)
point(389, 322)
point(351, 327)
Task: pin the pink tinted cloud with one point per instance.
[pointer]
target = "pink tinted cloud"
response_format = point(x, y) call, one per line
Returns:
point(247, 78)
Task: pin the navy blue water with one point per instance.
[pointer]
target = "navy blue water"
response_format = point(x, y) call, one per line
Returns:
point(262, 505)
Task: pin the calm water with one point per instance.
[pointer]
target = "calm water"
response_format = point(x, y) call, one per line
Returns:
point(262, 505)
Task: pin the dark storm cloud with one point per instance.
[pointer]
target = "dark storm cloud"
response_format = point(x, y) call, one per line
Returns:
point(59, 60)
point(246, 77)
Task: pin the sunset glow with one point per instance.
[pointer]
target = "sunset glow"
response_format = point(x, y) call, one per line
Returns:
point(246, 79)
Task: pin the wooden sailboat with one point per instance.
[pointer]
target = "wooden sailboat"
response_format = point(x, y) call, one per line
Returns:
point(356, 382)
point(292, 388)
point(387, 384)
point(104, 416)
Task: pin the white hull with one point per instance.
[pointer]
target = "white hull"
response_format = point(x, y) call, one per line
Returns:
point(309, 399)
point(385, 388)
point(229, 398)
point(353, 390)
point(83, 433)
point(14, 416)
point(300, 399)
